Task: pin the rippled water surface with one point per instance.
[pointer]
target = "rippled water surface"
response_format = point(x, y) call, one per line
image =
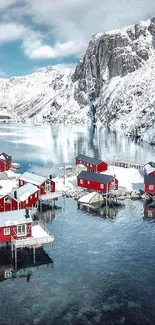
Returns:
point(104, 270)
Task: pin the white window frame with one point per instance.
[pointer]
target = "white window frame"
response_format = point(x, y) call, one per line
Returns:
point(6, 231)
point(21, 182)
point(48, 186)
point(81, 181)
point(7, 199)
point(151, 187)
point(27, 201)
point(36, 194)
point(88, 182)
point(91, 165)
point(102, 186)
point(21, 233)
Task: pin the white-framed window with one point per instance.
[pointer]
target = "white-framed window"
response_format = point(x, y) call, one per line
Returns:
point(150, 213)
point(80, 161)
point(21, 182)
point(87, 164)
point(81, 181)
point(31, 197)
point(7, 199)
point(91, 165)
point(88, 182)
point(6, 231)
point(36, 194)
point(151, 187)
point(27, 201)
point(21, 230)
point(101, 185)
point(48, 186)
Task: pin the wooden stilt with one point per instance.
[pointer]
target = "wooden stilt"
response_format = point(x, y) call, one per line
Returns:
point(12, 251)
point(15, 258)
point(34, 255)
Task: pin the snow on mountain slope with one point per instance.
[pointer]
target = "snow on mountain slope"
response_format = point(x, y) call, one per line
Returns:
point(118, 68)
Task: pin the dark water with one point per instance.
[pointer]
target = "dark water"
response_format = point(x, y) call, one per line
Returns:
point(104, 270)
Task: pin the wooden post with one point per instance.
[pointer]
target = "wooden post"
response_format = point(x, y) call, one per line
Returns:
point(12, 250)
point(34, 254)
point(15, 257)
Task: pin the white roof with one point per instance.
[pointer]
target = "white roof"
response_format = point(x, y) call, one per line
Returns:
point(15, 217)
point(32, 178)
point(24, 192)
point(87, 198)
point(149, 169)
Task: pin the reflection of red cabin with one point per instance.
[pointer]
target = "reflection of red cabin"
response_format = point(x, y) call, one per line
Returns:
point(44, 184)
point(92, 164)
point(5, 162)
point(149, 212)
point(15, 225)
point(149, 184)
point(150, 168)
point(97, 182)
point(21, 198)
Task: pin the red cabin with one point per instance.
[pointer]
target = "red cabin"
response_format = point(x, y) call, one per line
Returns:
point(92, 164)
point(97, 182)
point(44, 184)
point(149, 184)
point(20, 198)
point(15, 225)
point(150, 169)
point(5, 162)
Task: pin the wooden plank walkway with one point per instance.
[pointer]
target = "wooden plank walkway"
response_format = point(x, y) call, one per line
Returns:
point(126, 164)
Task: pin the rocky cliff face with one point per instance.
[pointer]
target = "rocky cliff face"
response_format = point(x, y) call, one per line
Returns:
point(118, 68)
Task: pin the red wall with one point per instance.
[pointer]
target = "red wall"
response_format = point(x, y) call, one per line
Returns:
point(151, 174)
point(4, 238)
point(96, 185)
point(5, 165)
point(32, 200)
point(147, 190)
point(2, 166)
point(42, 187)
point(94, 168)
point(7, 206)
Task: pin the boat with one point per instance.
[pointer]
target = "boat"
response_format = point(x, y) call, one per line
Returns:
point(16, 166)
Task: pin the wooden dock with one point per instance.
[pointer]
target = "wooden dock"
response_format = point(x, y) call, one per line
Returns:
point(126, 164)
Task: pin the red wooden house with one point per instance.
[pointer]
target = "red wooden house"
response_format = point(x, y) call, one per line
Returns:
point(149, 184)
point(15, 225)
point(44, 184)
point(97, 182)
point(150, 168)
point(5, 162)
point(92, 164)
point(20, 198)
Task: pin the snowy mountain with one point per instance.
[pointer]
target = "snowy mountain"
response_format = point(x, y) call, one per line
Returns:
point(118, 67)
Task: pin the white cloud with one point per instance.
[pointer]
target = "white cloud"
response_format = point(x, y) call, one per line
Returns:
point(11, 32)
point(3, 74)
point(41, 51)
point(64, 66)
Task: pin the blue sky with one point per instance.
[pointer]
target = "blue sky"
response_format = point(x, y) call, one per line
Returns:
point(39, 33)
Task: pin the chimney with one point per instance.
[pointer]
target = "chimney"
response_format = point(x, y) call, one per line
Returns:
point(15, 195)
point(27, 213)
point(50, 176)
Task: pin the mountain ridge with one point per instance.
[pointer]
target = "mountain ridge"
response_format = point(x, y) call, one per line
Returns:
point(118, 67)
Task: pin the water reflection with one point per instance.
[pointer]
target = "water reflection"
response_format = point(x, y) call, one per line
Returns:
point(54, 145)
point(26, 263)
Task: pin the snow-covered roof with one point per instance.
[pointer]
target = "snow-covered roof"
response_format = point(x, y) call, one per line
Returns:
point(88, 197)
point(4, 156)
point(24, 192)
point(102, 178)
point(90, 160)
point(150, 167)
point(32, 178)
point(15, 217)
